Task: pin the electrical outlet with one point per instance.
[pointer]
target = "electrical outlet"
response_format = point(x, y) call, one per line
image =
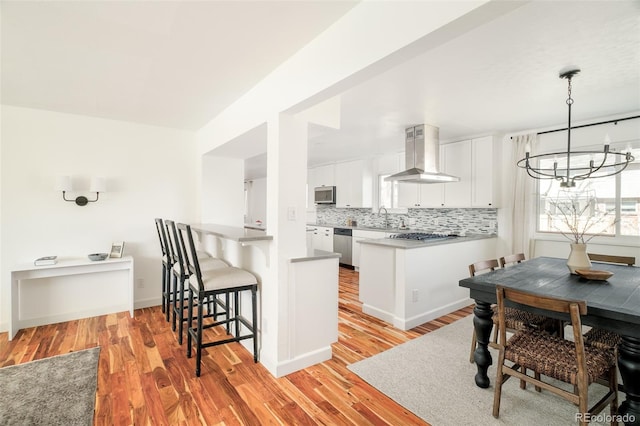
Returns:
point(414, 295)
point(140, 282)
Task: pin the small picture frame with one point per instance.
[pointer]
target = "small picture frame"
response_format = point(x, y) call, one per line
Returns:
point(116, 249)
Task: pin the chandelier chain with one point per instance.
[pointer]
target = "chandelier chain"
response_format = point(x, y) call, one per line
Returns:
point(569, 99)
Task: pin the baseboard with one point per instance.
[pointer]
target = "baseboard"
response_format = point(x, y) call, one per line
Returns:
point(71, 316)
point(300, 362)
point(147, 303)
point(33, 322)
point(378, 313)
point(409, 323)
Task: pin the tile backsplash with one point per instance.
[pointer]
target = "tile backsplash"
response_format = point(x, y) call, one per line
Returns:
point(453, 221)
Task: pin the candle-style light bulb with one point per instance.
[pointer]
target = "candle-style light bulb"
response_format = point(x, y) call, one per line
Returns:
point(607, 142)
point(527, 147)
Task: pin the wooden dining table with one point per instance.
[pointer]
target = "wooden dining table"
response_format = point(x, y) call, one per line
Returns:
point(613, 305)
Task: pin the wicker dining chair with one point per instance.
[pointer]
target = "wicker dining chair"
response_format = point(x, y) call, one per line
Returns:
point(551, 356)
point(515, 319)
point(596, 336)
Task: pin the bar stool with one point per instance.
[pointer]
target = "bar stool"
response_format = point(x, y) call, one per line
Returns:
point(228, 282)
point(180, 273)
point(166, 267)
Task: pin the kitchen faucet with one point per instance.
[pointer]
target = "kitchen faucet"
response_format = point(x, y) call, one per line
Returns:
point(386, 216)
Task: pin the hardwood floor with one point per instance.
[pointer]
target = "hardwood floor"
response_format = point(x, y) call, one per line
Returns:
point(145, 378)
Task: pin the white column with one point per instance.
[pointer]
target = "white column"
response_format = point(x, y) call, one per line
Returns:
point(286, 194)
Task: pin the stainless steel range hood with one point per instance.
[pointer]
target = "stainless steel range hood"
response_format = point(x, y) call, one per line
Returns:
point(422, 153)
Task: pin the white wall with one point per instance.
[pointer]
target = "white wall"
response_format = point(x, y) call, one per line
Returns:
point(149, 171)
point(257, 200)
point(222, 191)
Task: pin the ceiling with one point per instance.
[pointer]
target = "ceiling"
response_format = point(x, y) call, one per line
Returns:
point(501, 77)
point(166, 63)
point(178, 64)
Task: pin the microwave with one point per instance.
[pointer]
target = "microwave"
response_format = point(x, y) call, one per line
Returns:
point(325, 195)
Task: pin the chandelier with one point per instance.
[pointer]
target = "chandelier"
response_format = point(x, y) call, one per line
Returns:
point(580, 165)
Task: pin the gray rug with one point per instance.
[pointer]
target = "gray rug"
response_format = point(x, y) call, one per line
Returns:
point(431, 376)
point(60, 390)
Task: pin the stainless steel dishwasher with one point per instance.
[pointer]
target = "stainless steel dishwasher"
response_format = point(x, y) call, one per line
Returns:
point(342, 245)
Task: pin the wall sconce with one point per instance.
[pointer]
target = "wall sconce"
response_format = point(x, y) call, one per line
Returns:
point(64, 184)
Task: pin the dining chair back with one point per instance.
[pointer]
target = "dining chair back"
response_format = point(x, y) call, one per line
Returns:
point(484, 266)
point(512, 258)
point(623, 260)
point(554, 357)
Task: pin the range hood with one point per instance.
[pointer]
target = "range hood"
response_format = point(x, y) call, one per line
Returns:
point(422, 153)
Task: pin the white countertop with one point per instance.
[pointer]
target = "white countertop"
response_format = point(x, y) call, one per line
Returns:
point(315, 254)
point(231, 232)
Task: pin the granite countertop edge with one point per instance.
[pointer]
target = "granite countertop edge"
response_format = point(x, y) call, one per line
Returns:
point(316, 254)
point(412, 244)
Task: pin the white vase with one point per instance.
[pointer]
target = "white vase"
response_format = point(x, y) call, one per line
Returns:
point(578, 258)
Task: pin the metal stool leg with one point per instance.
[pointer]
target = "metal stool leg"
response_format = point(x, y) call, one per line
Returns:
point(254, 324)
point(189, 323)
point(199, 336)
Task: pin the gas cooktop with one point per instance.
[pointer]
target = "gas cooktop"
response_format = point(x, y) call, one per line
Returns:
point(422, 236)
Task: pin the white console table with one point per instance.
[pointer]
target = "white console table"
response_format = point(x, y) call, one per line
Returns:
point(64, 267)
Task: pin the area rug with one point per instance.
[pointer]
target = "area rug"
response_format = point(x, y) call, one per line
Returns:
point(60, 390)
point(431, 376)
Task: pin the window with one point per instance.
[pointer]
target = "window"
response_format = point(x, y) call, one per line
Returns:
point(613, 202)
point(388, 194)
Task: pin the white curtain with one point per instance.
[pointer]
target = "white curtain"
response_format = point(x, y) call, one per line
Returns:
point(523, 210)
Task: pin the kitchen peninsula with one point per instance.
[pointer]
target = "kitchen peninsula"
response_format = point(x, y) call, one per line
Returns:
point(309, 287)
point(408, 283)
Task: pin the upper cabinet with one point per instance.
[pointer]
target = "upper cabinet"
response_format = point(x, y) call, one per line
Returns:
point(354, 184)
point(319, 176)
point(414, 195)
point(472, 162)
point(456, 158)
point(482, 170)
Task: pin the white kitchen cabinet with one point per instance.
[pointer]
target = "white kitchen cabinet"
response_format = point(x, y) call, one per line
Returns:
point(354, 184)
point(456, 159)
point(322, 238)
point(408, 195)
point(325, 175)
point(319, 176)
point(482, 171)
point(413, 195)
point(429, 195)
